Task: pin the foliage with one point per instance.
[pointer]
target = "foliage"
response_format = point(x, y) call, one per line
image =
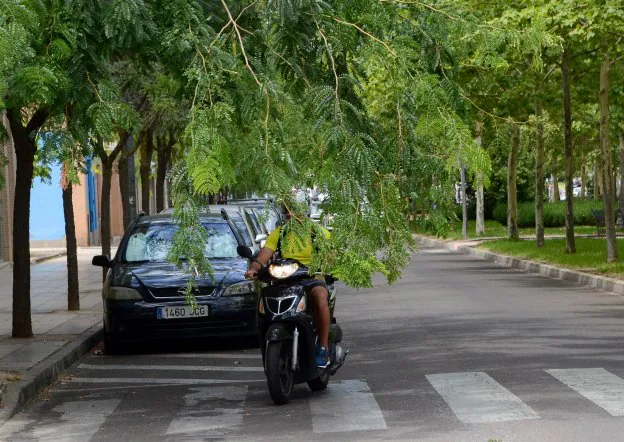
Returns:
point(554, 213)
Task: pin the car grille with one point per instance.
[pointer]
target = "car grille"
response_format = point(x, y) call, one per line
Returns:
point(178, 292)
point(277, 306)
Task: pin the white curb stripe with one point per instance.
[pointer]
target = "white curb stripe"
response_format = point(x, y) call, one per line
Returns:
point(597, 384)
point(210, 412)
point(201, 355)
point(476, 398)
point(79, 421)
point(169, 367)
point(345, 406)
point(172, 381)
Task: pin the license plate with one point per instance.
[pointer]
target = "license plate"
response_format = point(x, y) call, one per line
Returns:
point(182, 311)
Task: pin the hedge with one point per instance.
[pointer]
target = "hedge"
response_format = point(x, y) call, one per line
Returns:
point(554, 213)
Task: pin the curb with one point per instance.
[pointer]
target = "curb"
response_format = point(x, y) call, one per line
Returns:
point(47, 257)
point(587, 279)
point(20, 393)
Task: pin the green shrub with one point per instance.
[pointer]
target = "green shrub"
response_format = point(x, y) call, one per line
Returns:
point(554, 213)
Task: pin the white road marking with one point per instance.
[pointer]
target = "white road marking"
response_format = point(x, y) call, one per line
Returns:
point(169, 367)
point(80, 420)
point(345, 406)
point(597, 384)
point(476, 398)
point(172, 381)
point(210, 411)
point(202, 355)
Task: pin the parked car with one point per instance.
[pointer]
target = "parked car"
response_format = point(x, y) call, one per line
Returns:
point(244, 222)
point(143, 293)
point(270, 214)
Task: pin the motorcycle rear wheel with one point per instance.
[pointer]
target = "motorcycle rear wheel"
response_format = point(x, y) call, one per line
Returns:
point(320, 383)
point(279, 371)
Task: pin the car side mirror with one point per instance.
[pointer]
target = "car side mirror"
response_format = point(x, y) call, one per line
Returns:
point(244, 252)
point(260, 237)
point(101, 261)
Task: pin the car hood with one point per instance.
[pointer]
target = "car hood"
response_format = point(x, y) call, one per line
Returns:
point(164, 274)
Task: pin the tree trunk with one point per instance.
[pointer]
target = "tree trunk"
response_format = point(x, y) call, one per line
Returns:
point(24, 142)
point(25, 155)
point(147, 150)
point(607, 173)
point(164, 156)
point(512, 174)
point(621, 195)
point(463, 198)
point(125, 166)
point(161, 173)
point(73, 293)
point(597, 179)
point(567, 153)
point(122, 169)
point(555, 183)
point(105, 221)
point(583, 176)
point(539, 175)
point(480, 217)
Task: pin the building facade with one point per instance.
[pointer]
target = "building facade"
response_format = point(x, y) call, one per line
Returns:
point(47, 224)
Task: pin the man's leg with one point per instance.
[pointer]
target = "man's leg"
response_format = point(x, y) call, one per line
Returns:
point(320, 310)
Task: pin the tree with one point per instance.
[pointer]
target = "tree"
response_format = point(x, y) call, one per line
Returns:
point(37, 46)
point(146, 151)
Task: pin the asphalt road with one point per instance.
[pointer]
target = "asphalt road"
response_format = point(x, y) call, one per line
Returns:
point(458, 349)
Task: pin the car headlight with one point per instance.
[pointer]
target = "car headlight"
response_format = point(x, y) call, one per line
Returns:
point(302, 305)
point(240, 288)
point(283, 271)
point(121, 293)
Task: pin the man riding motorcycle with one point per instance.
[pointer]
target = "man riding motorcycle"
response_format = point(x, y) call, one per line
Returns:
point(292, 246)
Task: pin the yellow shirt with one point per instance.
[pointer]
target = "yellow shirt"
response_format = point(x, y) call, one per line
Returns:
point(292, 246)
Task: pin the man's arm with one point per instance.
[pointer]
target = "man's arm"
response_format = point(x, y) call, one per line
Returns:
point(264, 256)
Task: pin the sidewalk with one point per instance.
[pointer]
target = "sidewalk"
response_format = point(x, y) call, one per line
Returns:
point(60, 336)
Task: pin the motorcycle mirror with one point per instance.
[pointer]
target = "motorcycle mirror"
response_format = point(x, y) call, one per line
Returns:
point(245, 252)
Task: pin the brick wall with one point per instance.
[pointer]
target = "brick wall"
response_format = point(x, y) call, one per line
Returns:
point(81, 212)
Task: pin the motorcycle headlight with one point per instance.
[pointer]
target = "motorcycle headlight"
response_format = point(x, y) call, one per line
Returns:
point(121, 294)
point(240, 288)
point(283, 271)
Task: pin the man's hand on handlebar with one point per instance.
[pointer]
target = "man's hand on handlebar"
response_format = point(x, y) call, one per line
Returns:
point(251, 274)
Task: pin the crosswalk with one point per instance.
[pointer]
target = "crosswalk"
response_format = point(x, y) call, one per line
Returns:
point(224, 396)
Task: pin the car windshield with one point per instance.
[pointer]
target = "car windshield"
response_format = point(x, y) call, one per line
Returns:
point(152, 242)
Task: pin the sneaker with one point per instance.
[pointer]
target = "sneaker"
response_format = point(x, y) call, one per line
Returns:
point(322, 357)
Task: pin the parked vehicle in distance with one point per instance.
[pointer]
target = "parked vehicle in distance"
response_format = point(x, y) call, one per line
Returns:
point(270, 214)
point(143, 293)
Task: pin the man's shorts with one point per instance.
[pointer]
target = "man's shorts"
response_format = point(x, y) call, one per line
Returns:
point(309, 284)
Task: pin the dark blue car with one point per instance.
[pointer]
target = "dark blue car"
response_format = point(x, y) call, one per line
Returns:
point(143, 294)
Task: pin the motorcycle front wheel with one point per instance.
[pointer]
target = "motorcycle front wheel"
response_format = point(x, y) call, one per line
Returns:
point(279, 371)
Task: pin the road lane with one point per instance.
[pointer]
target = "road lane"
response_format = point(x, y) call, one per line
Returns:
point(448, 314)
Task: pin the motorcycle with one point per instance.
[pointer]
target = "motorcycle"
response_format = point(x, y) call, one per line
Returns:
point(286, 329)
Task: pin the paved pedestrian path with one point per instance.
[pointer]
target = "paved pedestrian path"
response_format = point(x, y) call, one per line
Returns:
point(54, 327)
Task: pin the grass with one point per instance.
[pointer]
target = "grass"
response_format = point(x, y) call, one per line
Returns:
point(494, 228)
point(590, 256)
